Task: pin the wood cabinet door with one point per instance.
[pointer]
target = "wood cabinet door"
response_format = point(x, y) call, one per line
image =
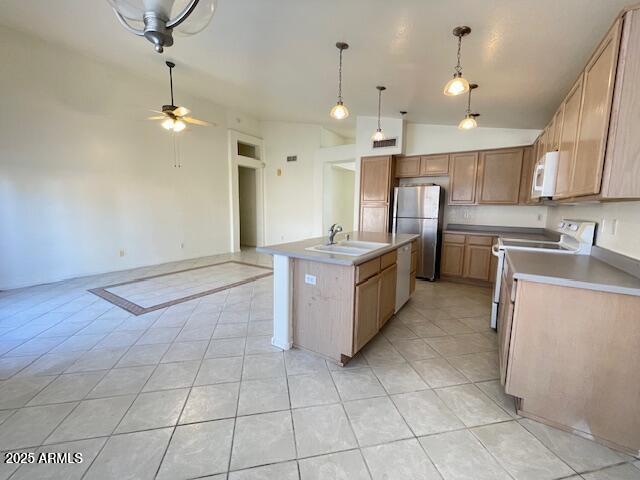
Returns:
point(526, 176)
point(366, 312)
point(374, 217)
point(622, 165)
point(504, 323)
point(557, 130)
point(568, 138)
point(387, 295)
point(375, 179)
point(477, 262)
point(434, 165)
point(462, 178)
point(500, 176)
point(452, 259)
point(599, 78)
point(407, 167)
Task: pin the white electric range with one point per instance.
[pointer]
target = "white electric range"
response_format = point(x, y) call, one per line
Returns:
point(576, 238)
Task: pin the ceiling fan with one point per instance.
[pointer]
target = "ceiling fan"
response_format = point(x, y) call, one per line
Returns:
point(176, 118)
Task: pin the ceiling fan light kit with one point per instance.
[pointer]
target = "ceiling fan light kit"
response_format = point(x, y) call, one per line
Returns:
point(339, 111)
point(156, 19)
point(458, 84)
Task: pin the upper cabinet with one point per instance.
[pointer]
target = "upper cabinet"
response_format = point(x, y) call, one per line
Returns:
point(408, 167)
point(621, 178)
point(500, 176)
point(434, 165)
point(596, 126)
point(597, 94)
point(376, 182)
point(568, 139)
point(462, 178)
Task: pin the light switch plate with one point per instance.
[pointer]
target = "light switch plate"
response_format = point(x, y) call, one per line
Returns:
point(309, 279)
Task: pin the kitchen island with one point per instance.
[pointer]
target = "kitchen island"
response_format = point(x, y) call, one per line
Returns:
point(333, 299)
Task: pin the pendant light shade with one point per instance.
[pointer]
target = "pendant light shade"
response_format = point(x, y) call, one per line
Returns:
point(379, 134)
point(339, 111)
point(458, 84)
point(469, 121)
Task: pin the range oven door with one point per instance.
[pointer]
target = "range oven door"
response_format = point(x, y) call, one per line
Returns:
point(498, 252)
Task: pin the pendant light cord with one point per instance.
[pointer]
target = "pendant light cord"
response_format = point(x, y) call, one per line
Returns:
point(379, 102)
point(469, 102)
point(458, 67)
point(340, 78)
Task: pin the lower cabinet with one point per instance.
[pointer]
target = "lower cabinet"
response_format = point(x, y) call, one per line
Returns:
point(366, 311)
point(452, 258)
point(504, 322)
point(477, 262)
point(387, 294)
point(468, 257)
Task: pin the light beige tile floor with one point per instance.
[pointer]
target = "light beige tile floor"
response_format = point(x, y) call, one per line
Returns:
point(196, 390)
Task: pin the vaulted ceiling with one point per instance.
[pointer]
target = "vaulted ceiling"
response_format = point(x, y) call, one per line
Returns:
point(277, 58)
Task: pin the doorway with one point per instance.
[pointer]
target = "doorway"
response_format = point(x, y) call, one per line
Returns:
point(338, 193)
point(247, 196)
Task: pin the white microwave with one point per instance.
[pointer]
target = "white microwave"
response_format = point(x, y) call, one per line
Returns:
point(544, 176)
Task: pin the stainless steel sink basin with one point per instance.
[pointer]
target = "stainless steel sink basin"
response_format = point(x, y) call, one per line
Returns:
point(352, 248)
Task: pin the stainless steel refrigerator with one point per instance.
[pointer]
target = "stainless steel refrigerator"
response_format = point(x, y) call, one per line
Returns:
point(418, 209)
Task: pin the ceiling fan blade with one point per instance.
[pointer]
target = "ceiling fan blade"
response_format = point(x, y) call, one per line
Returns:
point(195, 121)
point(157, 111)
point(158, 117)
point(181, 111)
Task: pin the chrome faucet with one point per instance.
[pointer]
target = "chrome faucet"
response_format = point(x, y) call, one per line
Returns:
point(333, 231)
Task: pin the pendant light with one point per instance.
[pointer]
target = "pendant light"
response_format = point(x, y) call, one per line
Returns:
point(379, 135)
point(339, 111)
point(469, 120)
point(458, 85)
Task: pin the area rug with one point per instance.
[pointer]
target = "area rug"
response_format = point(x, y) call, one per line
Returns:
point(147, 294)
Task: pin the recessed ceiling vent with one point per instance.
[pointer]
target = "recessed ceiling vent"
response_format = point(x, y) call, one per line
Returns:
point(388, 142)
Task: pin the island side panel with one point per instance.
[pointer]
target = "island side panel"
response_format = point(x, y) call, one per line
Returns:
point(574, 360)
point(323, 313)
point(282, 302)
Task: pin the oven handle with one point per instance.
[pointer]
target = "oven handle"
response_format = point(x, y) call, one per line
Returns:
point(495, 250)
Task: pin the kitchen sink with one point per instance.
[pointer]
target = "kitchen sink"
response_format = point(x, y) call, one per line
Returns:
point(352, 248)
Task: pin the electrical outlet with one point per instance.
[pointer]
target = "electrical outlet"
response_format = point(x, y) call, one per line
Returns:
point(122, 252)
point(539, 217)
point(613, 226)
point(309, 279)
point(181, 245)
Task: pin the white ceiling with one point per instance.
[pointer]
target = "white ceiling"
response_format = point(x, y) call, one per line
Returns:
point(277, 59)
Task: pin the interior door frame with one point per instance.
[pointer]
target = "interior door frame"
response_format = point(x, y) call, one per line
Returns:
point(235, 161)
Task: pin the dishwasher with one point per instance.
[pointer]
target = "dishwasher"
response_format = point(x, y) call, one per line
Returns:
point(403, 278)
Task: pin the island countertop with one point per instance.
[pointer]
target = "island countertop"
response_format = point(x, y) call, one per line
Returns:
point(299, 249)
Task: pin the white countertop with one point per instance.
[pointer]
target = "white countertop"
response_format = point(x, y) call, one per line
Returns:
point(299, 249)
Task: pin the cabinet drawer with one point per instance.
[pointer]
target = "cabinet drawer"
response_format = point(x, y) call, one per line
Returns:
point(388, 259)
point(453, 238)
point(367, 270)
point(479, 240)
point(414, 261)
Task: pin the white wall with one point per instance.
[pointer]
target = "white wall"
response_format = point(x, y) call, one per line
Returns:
point(339, 184)
point(425, 139)
point(83, 175)
point(247, 202)
point(618, 223)
point(290, 203)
